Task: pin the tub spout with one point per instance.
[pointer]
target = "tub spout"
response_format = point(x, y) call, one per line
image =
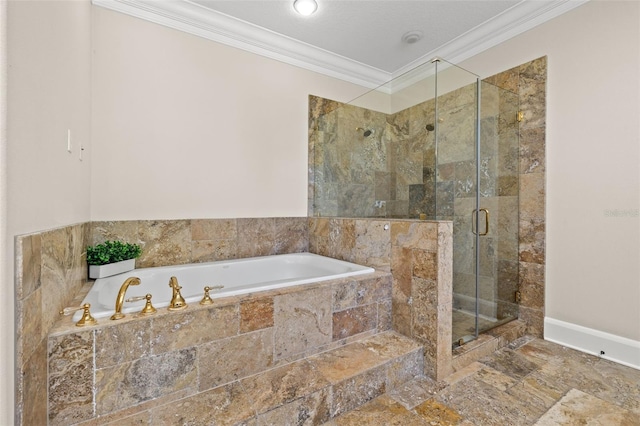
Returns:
point(177, 301)
point(120, 300)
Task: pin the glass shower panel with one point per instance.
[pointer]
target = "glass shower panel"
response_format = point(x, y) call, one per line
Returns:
point(375, 155)
point(498, 203)
point(456, 195)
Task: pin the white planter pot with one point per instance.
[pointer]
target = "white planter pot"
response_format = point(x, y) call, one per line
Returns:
point(101, 271)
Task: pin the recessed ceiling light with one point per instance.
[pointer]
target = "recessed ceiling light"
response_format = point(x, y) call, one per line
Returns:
point(305, 7)
point(412, 37)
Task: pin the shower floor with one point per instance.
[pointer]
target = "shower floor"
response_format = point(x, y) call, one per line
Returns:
point(464, 324)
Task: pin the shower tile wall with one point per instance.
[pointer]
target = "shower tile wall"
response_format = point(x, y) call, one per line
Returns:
point(356, 165)
point(515, 254)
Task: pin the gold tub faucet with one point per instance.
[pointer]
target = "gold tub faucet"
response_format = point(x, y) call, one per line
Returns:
point(177, 301)
point(120, 299)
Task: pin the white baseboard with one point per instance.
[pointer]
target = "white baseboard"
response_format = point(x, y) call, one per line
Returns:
point(608, 346)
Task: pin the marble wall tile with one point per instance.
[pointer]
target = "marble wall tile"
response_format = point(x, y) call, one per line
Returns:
point(255, 237)
point(252, 353)
point(532, 150)
point(534, 318)
point(225, 405)
point(63, 270)
point(342, 239)
point(28, 264)
point(70, 378)
point(213, 239)
point(185, 329)
point(127, 231)
point(401, 318)
point(425, 265)
point(256, 314)
point(33, 409)
point(354, 321)
point(344, 295)
point(372, 290)
point(120, 343)
point(29, 332)
point(291, 235)
point(532, 285)
point(385, 315)
point(414, 235)
point(532, 102)
point(373, 243)
point(164, 242)
point(302, 320)
point(532, 241)
point(532, 195)
point(211, 251)
point(144, 379)
point(213, 229)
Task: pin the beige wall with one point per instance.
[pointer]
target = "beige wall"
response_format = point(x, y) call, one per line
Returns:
point(187, 128)
point(48, 55)
point(6, 315)
point(593, 130)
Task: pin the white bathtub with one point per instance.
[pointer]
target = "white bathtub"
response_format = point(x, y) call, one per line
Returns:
point(239, 276)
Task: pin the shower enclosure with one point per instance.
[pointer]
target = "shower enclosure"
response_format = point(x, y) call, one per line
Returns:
point(436, 143)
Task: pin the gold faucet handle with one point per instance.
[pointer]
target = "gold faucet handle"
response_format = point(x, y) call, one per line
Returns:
point(86, 319)
point(148, 307)
point(206, 299)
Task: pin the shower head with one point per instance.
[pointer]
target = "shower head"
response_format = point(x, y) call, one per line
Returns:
point(366, 132)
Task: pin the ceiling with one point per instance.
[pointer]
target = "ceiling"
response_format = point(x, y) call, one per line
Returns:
point(355, 40)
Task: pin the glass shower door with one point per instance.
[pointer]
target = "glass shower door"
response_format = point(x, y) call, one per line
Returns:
point(456, 186)
point(477, 188)
point(497, 215)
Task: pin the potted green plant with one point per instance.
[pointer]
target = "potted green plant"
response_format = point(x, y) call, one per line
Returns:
point(111, 258)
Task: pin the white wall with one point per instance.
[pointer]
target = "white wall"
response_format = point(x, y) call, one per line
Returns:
point(593, 157)
point(184, 127)
point(48, 57)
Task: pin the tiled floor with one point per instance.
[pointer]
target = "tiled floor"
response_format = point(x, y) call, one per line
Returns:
point(530, 382)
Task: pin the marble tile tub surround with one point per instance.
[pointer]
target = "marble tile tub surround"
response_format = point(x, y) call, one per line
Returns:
point(419, 256)
point(188, 355)
point(371, 245)
point(51, 269)
point(173, 242)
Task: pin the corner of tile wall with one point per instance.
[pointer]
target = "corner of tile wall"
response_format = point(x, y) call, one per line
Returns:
point(50, 269)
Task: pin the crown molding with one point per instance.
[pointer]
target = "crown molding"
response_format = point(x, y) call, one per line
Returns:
point(516, 20)
point(194, 19)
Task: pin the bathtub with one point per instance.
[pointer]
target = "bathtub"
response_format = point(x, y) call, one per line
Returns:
point(239, 276)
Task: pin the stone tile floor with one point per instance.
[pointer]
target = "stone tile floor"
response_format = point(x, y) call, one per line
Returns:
point(529, 382)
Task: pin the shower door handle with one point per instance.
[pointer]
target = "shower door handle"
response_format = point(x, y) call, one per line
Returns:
point(486, 222)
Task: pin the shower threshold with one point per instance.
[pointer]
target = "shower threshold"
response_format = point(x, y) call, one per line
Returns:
point(464, 324)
